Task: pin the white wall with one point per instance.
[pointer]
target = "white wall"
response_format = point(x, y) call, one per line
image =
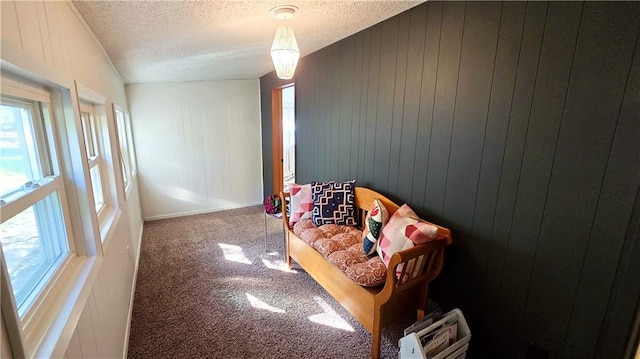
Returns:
point(198, 146)
point(49, 39)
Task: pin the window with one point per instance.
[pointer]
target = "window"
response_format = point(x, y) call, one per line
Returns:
point(34, 227)
point(48, 259)
point(96, 137)
point(94, 155)
point(132, 152)
point(126, 148)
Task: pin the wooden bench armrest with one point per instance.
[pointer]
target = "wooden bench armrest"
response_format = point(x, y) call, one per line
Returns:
point(285, 197)
point(419, 266)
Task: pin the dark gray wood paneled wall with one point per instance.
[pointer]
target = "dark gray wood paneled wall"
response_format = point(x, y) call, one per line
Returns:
point(515, 124)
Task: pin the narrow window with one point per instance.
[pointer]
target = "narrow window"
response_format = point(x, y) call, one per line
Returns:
point(94, 155)
point(126, 146)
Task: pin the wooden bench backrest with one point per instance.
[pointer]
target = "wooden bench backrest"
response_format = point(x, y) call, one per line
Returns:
point(364, 202)
point(365, 197)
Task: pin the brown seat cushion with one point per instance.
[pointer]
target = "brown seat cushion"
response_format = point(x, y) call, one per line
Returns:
point(342, 247)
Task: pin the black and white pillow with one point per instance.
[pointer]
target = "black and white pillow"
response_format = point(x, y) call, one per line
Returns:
point(333, 203)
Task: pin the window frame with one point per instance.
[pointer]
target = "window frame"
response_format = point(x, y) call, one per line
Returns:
point(126, 149)
point(42, 329)
point(22, 198)
point(95, 139)
point(132, 147)
point(110, 212)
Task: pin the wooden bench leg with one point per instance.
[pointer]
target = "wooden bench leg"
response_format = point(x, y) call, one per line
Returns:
point(376, 335)
point(422, 300)
point(286, 250)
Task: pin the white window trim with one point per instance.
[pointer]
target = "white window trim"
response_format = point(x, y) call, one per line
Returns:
point(62, 314)
point(97, 160)
point(60, 305)
point(127, 163)
point(28, 196)
point(131, 143)
point(23, 198)
point(110, 213)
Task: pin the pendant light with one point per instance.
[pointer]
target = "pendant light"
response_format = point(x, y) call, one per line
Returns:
point(284, 50)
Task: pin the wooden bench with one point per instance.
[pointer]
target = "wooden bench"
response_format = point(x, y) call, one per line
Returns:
point(373, 307)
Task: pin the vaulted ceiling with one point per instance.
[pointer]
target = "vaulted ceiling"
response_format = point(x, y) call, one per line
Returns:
point(167, 41)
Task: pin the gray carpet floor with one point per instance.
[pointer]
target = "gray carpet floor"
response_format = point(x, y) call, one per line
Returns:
point(207, 288)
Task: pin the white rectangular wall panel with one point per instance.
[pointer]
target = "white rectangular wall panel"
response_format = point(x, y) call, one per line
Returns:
point(198, 146)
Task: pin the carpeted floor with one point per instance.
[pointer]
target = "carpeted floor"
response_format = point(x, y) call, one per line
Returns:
point(207, 289)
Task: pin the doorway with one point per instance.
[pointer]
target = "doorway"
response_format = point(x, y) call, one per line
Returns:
point(283, 139)
point(289, 135)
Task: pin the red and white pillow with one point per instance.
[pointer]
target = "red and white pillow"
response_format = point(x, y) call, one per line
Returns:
point(404, 230)
point(301, 202)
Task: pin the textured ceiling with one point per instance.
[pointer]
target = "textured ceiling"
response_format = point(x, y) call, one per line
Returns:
point(167, 41)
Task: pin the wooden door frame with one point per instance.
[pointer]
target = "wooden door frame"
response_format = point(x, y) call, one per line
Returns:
point(277, 152)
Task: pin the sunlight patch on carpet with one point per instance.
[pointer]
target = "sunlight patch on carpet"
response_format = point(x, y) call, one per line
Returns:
point(259, 304)
point(234, 253)
point(330, 317)
point(277, 264)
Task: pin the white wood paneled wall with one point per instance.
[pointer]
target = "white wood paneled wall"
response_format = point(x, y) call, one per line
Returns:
point(101, 331)
point(5, 349)
point(49, 38)
point(198, 146)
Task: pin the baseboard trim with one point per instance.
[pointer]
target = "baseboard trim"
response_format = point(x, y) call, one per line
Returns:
point(200, 211)
point(133, 293)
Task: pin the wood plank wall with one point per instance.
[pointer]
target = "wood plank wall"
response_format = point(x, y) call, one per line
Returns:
point(516, 125)
point(214, 160)
point(48, 37)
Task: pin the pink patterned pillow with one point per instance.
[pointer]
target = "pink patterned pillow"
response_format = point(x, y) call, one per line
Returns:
point(301, 202)
point(403, 231)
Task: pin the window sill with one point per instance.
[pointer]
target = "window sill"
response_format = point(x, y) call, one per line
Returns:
point(108, 226)
point(57, 321)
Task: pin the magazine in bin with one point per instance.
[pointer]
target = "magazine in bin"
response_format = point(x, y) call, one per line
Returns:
point(426, 321)
point(446, 338)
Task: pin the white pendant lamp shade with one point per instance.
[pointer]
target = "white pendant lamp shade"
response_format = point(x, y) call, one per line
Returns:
point(285, 52)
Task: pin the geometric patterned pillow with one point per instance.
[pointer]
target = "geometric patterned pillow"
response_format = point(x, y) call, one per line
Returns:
point(333, 203)
point(301, 202)
point(403, 231)
point(377, 217)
